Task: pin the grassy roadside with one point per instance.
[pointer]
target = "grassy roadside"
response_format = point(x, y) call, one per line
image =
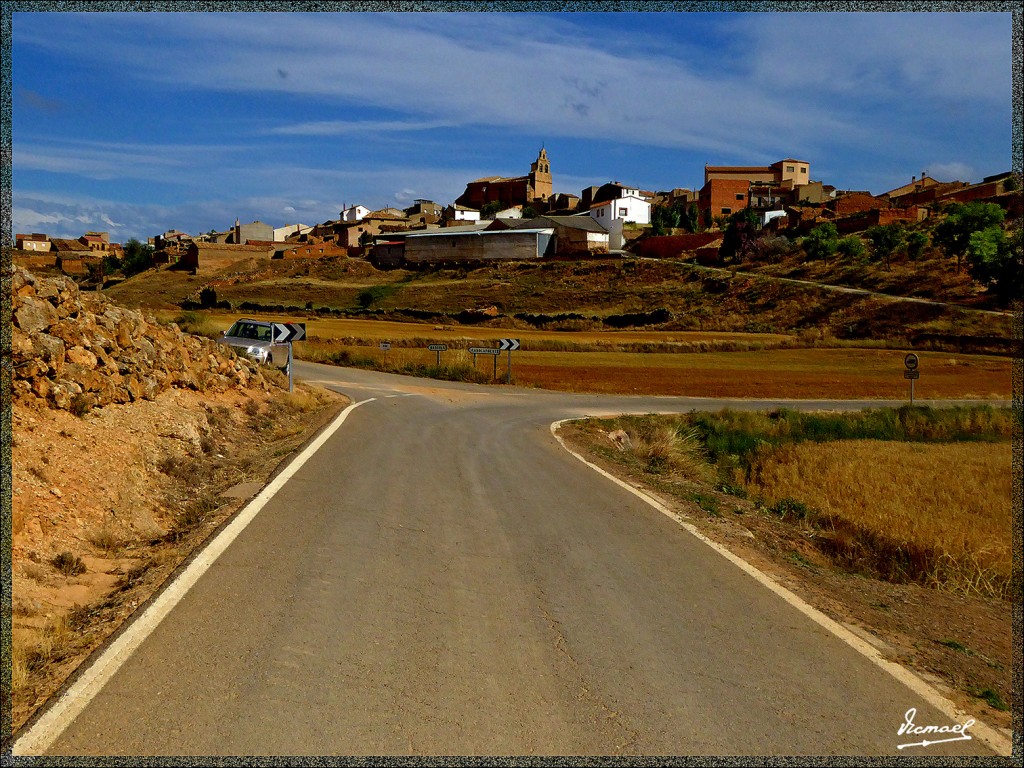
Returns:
point(896, 523)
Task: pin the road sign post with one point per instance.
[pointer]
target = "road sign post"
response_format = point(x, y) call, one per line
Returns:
point(912, 373)
point(385, 345)
point(507, 344)
point(439, 348)
point(286, 333)
point(494, 352)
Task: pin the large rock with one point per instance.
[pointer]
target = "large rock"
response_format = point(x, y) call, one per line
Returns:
point(34, 315)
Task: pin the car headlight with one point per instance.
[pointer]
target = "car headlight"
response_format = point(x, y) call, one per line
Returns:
point(260, 353)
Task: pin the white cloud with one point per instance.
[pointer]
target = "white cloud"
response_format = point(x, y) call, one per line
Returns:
point(952, 171)
point(349, 128)
point(106, 161)
point(462, 69)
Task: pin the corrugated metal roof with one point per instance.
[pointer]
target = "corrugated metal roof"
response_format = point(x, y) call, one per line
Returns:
point(480, 232)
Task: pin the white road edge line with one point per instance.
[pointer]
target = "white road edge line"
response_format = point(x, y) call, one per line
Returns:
point(53, 723)
point(985, 733)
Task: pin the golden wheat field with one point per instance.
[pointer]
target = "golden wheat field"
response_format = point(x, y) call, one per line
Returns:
point(953, 498)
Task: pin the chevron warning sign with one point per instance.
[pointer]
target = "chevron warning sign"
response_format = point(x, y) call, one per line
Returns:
point(284, 332)
point(510, 344)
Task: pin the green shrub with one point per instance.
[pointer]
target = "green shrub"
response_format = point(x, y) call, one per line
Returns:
point(791, 509)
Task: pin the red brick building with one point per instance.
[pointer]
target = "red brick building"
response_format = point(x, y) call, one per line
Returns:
point(722, 197)
point(728, 188)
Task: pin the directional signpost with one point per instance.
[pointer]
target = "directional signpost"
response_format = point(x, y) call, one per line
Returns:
point(439, 348)
point(510, 345)
point(486, 351)
point(286, 333)
point(911, 362)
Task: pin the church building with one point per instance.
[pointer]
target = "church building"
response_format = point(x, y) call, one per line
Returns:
point(521, 190)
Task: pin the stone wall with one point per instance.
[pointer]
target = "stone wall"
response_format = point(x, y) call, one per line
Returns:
point(74, 350)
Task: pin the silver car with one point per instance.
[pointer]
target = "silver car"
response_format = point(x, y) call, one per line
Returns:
point(255, 340)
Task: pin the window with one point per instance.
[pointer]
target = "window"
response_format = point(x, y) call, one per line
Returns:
point(726, 211)
point(790, 169)
point(623, 211)
point(803, 170)
point(739, 196)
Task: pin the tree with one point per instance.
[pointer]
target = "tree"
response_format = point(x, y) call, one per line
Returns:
point(885, 241)
point(491, 209)
point(111, 264)
point(741, 231)
point(529, 212)
point(663, 218)
point(208, 297)
point(851, 248)
point(138, 257)
point(821, 242)
point(690, 218)
point(953, 234)
point(916, 243)
point(995, 261)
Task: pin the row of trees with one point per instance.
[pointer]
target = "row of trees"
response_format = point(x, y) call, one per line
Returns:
point(971, 231)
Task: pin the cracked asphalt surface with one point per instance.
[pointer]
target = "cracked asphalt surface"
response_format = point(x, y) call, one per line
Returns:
point(442, 578)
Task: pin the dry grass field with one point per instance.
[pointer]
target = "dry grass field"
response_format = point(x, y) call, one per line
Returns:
point(700, 363)
point(947, 503)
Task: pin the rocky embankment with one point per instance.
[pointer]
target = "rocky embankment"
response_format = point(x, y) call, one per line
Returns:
point(75, 351)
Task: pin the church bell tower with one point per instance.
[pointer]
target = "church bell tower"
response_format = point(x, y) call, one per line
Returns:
point(540, 176)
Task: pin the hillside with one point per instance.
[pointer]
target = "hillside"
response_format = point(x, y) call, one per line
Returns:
point(587, 295)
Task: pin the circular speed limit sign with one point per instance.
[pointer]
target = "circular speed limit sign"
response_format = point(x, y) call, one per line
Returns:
point(910, 361)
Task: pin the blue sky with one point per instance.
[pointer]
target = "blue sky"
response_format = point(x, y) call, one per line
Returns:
point(141, 122)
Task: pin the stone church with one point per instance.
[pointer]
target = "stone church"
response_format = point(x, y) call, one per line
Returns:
point(521, 190)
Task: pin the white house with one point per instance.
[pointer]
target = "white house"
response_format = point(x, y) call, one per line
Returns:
point(462, 213)
point(355, 213)
point(629, 207)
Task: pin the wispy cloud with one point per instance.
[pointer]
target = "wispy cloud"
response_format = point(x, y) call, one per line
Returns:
point(104, 161)
point(463, 69)
point(365, 127)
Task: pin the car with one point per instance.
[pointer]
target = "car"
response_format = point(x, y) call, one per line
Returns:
point(255, 340)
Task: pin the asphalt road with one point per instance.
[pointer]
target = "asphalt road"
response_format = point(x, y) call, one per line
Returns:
point(442, 578)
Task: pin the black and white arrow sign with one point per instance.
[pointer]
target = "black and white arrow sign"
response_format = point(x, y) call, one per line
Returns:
point(289, 332)
point(510, 344)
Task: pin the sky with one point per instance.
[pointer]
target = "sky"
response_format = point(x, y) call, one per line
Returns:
point(137, 123)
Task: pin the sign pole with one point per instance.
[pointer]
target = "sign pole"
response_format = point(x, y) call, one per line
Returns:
point(911, 361)
point(439, 358)
point(508, 379)
point(289, 366)
point(495, 376)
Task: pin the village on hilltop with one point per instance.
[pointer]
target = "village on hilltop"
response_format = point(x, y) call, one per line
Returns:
point(500, 218)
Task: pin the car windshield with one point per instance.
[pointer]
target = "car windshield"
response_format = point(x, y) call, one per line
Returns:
point(245, 330)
